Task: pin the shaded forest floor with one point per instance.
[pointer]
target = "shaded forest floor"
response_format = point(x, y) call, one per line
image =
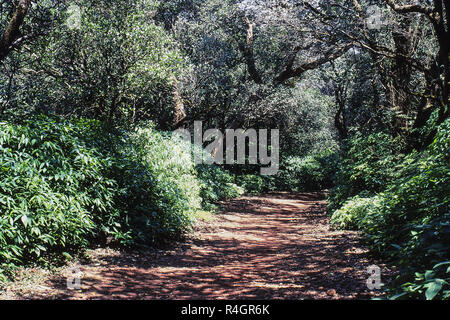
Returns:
point(276, 246)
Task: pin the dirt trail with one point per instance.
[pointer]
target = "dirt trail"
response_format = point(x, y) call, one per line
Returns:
point(277, 246)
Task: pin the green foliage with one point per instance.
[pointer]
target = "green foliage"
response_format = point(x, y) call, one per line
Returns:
point(52, 185)
point(301, 174)
point(252, 184)
point(219, 88)
point(217, 184)
point(433, 284)
point(354, 213)
point(409, 223)
point(117, 65)
point(366, 166)
point(68, 184)
point(310, 173)
point(159, 191)
point(416, 207)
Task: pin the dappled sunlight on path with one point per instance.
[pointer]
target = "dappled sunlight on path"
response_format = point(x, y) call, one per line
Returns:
point(277, 246)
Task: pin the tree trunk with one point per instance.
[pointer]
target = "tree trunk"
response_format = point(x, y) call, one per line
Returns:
point(12, 31)
point(179, 112)
point(340, 121)
point(401, 77)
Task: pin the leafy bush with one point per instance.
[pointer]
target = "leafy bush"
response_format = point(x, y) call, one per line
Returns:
point(409, 223)
point(310, 173)
point(67, 184)
point(216, 184)
point(252, 184)
point(301, 174)
point(52, 185)
point(354, 213)
point(433, 284)
point(367, 164)
point(329, 162)
point(416, 206)
point(159, 191)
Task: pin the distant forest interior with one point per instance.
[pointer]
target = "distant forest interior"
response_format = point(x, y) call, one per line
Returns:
point(336, 111)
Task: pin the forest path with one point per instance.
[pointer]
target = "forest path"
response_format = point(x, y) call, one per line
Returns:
point(275, 246)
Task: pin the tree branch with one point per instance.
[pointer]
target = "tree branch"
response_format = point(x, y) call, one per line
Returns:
point(407, 8)
point(329, 56)
point(12, 32)
point(247, 51)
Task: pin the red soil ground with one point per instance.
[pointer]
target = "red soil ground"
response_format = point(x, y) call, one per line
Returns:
point(276, 246)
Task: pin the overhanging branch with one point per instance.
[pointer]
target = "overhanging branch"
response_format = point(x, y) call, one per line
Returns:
point(331, 55)
point(407, 8)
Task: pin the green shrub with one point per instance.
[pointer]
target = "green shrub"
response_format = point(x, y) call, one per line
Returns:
point(216, 184)
point(409, 222)
point(252, 184)
point(329, 162)
point(431, 284)
point(355, 213)
point(300, 174)
point(367, 164)
point(66, 184)
point(159, 191)
point(52, 184)
point(415, 216)
point(309, 173)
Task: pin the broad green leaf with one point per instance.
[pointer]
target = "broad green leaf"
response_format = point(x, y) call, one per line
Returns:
point(433, 289)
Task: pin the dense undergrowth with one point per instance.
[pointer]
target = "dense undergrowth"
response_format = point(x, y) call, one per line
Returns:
point(296, 174)
point(401, 203)
point(69, 184)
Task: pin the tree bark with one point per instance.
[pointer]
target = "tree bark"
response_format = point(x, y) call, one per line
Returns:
point(331, 55)
point(401, 77)
point(340, 119)
point(12, 31)
point(247, 51)
point(179, 112)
